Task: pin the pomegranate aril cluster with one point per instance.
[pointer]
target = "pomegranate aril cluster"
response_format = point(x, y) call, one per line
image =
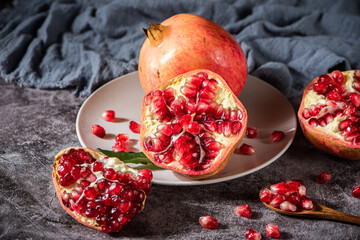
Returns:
point(93, 191)
point(189, 121)
point(288, 196)
point(338, 102)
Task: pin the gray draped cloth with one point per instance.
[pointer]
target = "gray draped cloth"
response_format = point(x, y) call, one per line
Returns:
point(81, 45)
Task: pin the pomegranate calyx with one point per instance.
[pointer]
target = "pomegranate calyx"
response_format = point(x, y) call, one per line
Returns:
point(155, 33)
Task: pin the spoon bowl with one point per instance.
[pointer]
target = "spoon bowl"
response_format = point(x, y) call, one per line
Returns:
point(319, 211)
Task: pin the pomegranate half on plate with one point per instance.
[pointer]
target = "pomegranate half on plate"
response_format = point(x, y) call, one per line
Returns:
point(192, 124)
point(329, 113)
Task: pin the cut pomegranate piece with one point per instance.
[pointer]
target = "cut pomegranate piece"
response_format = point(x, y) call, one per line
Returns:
point(243, 210)
point(356, 192)
point(272, 230)
point(134, 127)
point(252, 132)
point(251, 234)
point(323, 178)
point(192, 124)
point(98, 191)
point(277, 136)
point(109, 115)
point(246, 149)
point(98, 131)
point(329, 115)
point(208, 222)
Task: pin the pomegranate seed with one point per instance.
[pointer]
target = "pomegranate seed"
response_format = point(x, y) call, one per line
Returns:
point(276, 136)
point(98, 131)
point(272, 230)
point(280, 188)
point(302, 191)
point(265, 195)
point(98, 166)
point(338, 77)
point(90, 193)
point(307, 204)
point(245, 149)
point(356, 192)
point(194, 128)
point(134, 127)
point(122, 137)
point(243, 210)
point(208, 222)
point(294, 198)
point(252, 132)
point(287, 206)
point(276, 200)
point(109, 115)
point(250, 234)
point(323, 178)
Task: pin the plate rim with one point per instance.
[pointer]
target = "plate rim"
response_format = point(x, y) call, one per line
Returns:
point(197, 182)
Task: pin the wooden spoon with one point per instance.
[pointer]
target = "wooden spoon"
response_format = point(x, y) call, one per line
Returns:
point(319, 211)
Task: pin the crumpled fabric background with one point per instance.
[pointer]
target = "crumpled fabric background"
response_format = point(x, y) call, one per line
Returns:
point(81, 45)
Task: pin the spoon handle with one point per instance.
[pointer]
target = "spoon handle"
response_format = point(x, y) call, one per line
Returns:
point(329, 213)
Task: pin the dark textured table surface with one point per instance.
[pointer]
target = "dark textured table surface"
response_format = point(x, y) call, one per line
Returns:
point(37, 124)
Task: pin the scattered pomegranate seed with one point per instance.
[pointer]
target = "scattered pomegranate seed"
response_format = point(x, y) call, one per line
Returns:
point(108, 115)
point(356, 192)
point(134, 127)
point(272, 230)
point(246, 149)
point(208, 222)
point(277, 136)
point(98, 131)
point(323, 178)
point(243, 210)
point(252, 132)
point(250, 234)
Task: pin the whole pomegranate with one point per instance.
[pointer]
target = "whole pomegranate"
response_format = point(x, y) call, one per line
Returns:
point(192, 124)
point(186, 42)
point(329, 113)
point(99, 192)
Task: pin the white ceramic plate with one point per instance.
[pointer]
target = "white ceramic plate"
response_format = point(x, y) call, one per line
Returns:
point(267, 108)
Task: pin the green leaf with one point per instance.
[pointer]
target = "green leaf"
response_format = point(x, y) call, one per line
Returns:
point(131, 157)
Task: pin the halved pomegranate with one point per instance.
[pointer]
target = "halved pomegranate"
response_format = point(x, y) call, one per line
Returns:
point(329, 113)
point(192, 124)
point(99, 192)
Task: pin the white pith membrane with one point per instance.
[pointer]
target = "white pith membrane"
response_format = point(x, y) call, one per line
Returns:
point(325, 114)
point(223, 97)
point(108, 163)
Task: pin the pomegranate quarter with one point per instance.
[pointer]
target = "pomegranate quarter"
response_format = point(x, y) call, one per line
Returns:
point(329, 113)
point(192, 124)
point(99, 192)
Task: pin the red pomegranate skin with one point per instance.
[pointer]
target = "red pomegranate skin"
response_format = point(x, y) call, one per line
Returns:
point(187, 42)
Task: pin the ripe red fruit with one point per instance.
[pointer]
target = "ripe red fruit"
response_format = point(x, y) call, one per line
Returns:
point(108, 115)
point(208, 222)
point(94, 193)
point(173, 48)
point(243, 210)
point(328, 113)
point(323, 178)
point(272, 230)
point(98, 131)
point(356, 192)
point(188, 128)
